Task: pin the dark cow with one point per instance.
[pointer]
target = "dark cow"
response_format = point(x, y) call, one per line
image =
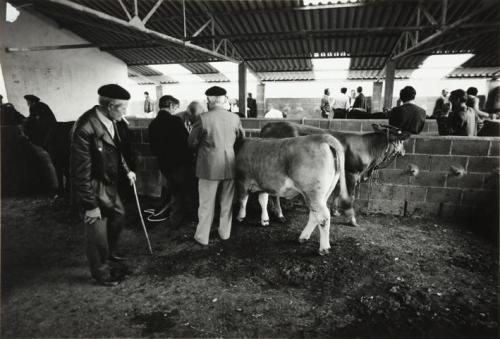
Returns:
point(364, 153)
point(310, 166)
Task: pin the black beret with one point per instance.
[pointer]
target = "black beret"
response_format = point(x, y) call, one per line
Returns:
point(215, 91)
point(31, 97)
point(113, 91)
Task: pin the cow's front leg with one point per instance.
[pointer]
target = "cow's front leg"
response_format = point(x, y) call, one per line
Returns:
point(307, 231)
point(243, 206)
point(264, 217)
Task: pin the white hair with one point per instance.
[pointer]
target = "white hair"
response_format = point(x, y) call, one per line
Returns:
point(219, 100)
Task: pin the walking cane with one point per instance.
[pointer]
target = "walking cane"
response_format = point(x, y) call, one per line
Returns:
point(142, 219)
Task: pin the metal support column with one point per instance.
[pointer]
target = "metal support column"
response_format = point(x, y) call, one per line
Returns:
point(377, 97)
point(389, 83)
point(242, 88)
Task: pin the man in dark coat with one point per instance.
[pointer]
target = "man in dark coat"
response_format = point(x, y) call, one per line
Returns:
point(96, 162)
point(9, 116)
point(408, 117)
point(360, 101)
point(40, 122)
point(462, 119)
point(252, 106)
point(168, 140)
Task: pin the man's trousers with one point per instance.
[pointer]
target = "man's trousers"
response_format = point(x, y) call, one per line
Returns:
point(207, 190)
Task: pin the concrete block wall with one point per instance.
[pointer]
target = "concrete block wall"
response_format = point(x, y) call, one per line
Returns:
point(435, 191)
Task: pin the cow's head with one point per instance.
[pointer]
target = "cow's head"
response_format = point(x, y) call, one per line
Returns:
point(395, 138)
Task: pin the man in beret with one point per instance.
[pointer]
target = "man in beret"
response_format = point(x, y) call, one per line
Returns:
point(214, 136)
point(40, 121)
point(96, 164)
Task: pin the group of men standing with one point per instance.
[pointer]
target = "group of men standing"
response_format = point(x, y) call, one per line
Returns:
point(340, 105)
point(186, 146)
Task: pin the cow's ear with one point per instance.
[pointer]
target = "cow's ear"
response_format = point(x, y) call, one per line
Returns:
point(376, 127)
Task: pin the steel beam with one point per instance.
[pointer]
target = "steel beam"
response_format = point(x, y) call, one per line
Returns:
point(125, 9)
point(151, 12)
point(205, 25)
point(154, 34)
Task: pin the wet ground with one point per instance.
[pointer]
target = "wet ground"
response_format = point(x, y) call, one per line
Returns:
point(391, 277)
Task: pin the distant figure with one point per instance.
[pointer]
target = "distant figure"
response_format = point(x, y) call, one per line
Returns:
point(190, 115)
point(214, 136)
point(9, 116)
point(252, 106)
point(462, 119)
point(341, 104)
point(40, 121)
point(326, 105)
point(352, 97)
point(493, 100)
point(408, 117)
point(148, 103)
point(273, 113)
point(360, 101)
point(438, 107)
point(473, 102)
point(168, 138)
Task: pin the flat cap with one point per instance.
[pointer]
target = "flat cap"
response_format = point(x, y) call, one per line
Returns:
point(113, 91)
point(215, 91)
point(31, 97)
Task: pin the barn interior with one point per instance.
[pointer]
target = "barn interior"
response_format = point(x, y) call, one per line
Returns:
point(424, 261)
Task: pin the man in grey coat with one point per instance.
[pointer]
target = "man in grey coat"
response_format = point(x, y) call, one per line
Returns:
point(214, 136)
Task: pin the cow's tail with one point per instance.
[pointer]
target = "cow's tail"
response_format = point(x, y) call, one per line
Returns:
point(339, 159)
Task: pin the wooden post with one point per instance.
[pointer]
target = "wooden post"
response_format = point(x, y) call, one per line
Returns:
point(242, 89)
point(261, 99)
point(390, 71)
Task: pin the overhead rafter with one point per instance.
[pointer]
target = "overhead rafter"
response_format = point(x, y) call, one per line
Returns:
point(162, 38)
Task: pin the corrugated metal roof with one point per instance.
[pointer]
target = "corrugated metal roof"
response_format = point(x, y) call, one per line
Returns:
point(477, 72)
point(287, 76)
point(279, 35)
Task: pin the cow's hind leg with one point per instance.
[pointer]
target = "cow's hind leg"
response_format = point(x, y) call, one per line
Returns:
point(310, 226)
point(279, 211)
point(243, 198)
point(264, 217)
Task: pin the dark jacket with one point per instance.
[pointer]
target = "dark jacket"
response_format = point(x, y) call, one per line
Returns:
point(360, 102)
point(168, 140)
point(462, 122)
point(96, 162)
point(9, 116)
point(39, 123)
point(252, 107)
point(408, 117)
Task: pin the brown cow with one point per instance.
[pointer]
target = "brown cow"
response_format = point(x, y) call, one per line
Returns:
point(310, 166)
point(364, 153)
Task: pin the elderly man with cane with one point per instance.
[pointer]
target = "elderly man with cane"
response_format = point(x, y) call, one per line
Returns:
point(214, 136)
point(96, 164)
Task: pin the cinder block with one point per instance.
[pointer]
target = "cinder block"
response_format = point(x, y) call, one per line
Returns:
point(491, 181)
point(325, 124)
point(483, 164)
point(448, 210)
point(364, 191)
point(361, 206)
point(351, 125)
point(444, 195)
point(311, 122)
point(145, 136)
point(470, 147)
point(135, 135)
point(431, 126)
point(148, 183)
point(386, 207)
point(421, 160)
point(421, 208)
point(390, 176)
point(432, 146)
point(428, 179)
point(494, 149)
point(410, 193)
point(442, 163)
point(467, 181)
point(336, 125)
point(250, 123)
point(409, 145)
point(382, 192)
point(477, 196)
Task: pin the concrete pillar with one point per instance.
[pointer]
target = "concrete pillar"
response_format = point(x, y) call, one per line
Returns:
point(377, 96)
point(390, 71)
point(159, 94)
point(261, 99)
point(3, 9)
point(242, 89)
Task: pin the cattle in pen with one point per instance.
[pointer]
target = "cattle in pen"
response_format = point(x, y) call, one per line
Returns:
point(310, 166)
point(364, 153)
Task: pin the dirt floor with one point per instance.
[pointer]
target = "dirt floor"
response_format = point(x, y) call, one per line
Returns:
point(391, 277)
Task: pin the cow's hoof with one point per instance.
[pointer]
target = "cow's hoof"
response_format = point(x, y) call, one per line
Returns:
point(324, 251)
point(282, 219)
point(353, 223)
point(302, 240)
point(264, 223)
point(336, 213)
point(239, 219)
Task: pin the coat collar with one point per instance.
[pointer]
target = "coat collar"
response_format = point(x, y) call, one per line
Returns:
point(99, 128)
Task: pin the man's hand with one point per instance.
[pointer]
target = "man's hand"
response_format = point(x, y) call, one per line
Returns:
point(131, 177)
point(91, 216)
